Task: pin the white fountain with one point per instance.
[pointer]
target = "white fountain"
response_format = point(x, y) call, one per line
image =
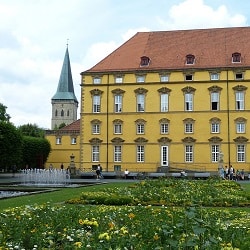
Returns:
point(45, 177)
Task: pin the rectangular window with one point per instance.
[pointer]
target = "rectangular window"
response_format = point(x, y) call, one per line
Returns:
point(214, 76)
point(189, 77)
point(140, 129)
point(117, 128)
point(215, 128)
point(164, 78)
point(214, 101)
point(188, 153)
point(97, 80)
point(215, 153)
point(240, 104)
point(58, 140)
point(117, 153)
point(96, 129)
point(189, 128)
point(96, 104)
point(140, 79)
point(240, 127)
point(140, 103)
point(140, 153)
point(164, 102)
point(118, 103)
point(241, 153)
point(95, 154)
point(164, 128)
point(238, 76)
point(118, 79)
point(73, 140)
point(188, 102)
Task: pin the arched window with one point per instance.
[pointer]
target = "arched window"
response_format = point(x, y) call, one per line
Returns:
point(190, 59)
point(236, 57)
point(62, 113)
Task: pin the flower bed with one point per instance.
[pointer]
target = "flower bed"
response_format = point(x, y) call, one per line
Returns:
point(171, 192)
point(134, 227)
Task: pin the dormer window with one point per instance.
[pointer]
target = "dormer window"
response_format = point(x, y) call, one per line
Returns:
point(236, 57)
point(144, 61)
point(190, 59)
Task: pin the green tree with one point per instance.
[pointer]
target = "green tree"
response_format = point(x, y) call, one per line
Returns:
point(31, 130)
point(35, 151)
point(11, 142)
point(3, 115)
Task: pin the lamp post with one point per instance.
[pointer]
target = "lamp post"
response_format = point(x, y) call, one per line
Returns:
point(72, 165)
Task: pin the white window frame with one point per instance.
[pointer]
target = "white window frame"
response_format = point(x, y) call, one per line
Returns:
point(188, 101)
point(215, 101)
point(95, 153)
point(96, 104)
point(240, 127)
point(117, 128)
point(189, 153)
point(140, 107)
point(164, 102)
point(240, 100)
point(118, 79)
point(215, 128)
point(140, 153)
point(140, 128)
point(215, 152)
point(58, 140)
point(214, 76)
point(96, 129)
point(164, 128)
point(164, 78)
point(189, 128)
point(140, 79)
point(73, 140)
point(97, 80)
point(118, 103)
point(117, 153)
point(241, 153)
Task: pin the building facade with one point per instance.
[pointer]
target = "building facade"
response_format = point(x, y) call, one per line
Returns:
point(169, 100)
point(65, 142)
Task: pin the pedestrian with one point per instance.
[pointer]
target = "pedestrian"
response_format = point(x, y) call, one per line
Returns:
point(100, 167)
point(98, 170)
point(231, 172)
point(126, 173)
point(62, 166)
point(227, 172)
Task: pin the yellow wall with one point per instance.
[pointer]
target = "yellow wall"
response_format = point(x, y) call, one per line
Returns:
point(61, 153)
point(201, 115)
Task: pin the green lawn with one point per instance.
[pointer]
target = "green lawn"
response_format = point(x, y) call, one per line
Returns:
point(58, 196)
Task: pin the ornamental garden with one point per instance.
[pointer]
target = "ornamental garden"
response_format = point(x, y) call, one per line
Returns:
point(150, 214)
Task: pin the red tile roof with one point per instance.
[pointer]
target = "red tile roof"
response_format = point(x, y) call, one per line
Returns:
point(73, 126)
point(212, 48)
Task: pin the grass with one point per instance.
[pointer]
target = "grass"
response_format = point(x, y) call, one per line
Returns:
point(58, 196)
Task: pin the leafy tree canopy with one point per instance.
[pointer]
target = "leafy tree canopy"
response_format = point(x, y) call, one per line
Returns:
point(3, 115)
point(31, 130)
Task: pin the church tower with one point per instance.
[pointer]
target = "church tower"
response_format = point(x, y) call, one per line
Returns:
point(64, 102)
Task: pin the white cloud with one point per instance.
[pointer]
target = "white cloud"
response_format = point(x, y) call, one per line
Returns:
point(196, 14)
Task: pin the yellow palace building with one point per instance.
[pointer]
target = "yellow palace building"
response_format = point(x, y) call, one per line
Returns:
point(168, 100)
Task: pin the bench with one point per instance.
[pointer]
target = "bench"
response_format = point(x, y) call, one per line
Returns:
point(156, 175)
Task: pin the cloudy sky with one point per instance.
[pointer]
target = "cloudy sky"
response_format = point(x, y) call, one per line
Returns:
point(34, 33)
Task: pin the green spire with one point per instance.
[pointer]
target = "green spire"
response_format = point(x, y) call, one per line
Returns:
point(65, 89)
